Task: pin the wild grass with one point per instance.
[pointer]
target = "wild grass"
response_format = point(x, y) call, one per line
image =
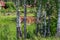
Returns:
point(8, 30)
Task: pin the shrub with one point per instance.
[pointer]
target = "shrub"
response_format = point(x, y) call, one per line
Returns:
point(10, 6)
point(3, 10)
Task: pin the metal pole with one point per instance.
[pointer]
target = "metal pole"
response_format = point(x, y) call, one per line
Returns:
point(25, 11)
point(19, 33)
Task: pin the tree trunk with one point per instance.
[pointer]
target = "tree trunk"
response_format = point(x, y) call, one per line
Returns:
point(25, 34)
point(35, 2)
point(58, 25)
point(48, 14)
point(19, 33)
point(38, 17)
point(44, 28)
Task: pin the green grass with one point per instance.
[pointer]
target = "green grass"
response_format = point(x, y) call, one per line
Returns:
point(8, 26)
point(8, 30)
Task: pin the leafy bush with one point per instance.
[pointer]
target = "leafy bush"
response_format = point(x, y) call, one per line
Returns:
point(3, 10)
point(10, 6)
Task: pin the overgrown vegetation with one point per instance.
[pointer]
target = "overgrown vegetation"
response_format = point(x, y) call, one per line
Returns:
point(8, 22)
point(8, 30)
